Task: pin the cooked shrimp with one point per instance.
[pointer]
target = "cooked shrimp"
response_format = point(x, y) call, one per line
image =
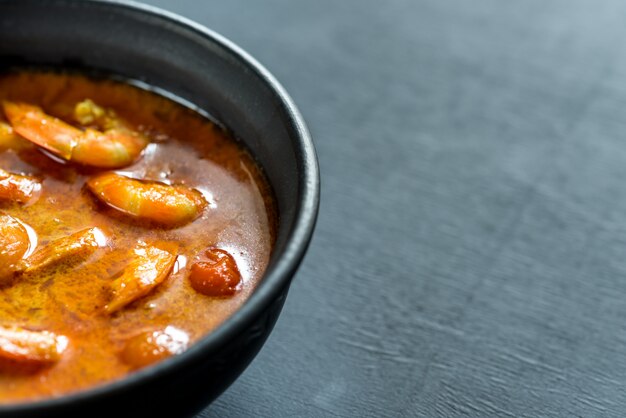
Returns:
point(18, 188)
point(168, 205)
point(78, 245)
point(150, 267)
point(20, 347)
point(115, 146)
point(14, 244)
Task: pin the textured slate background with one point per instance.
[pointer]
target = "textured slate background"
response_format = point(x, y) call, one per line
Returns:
point(469, 256)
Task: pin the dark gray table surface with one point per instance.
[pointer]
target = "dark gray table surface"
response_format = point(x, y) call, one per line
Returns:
point(470, 255)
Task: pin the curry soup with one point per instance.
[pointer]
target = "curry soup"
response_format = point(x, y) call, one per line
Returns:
point(131, 227)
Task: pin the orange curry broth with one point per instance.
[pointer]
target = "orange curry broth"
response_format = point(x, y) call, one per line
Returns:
point(68, 299)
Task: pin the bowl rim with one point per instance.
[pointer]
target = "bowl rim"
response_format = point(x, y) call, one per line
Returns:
point(275, 281)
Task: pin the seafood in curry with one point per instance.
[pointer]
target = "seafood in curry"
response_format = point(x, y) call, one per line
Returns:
point(130, 226)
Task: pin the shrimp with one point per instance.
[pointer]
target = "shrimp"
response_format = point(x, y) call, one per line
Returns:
point(150, 267)
point(21, 348)
point(116, 146)
point(78, 246)
point(15, 243)
point(18, 188)
point(168, 205)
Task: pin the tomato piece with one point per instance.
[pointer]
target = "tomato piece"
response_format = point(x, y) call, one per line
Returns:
point(152, 346)
point(216, 275)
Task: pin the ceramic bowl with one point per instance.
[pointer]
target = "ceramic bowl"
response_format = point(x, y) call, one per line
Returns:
point(203, 70)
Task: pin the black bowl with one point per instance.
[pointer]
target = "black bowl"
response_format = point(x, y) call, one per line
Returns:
point(205, 70)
